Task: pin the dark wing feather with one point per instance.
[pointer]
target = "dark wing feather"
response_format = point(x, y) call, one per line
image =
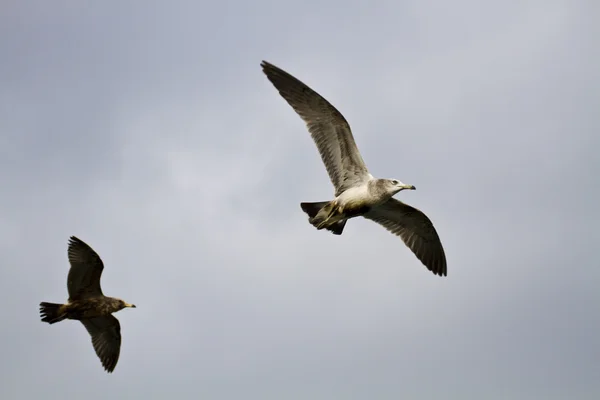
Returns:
point(328, 128)
point(83, 280)
point(415, 229)
point(106, 339)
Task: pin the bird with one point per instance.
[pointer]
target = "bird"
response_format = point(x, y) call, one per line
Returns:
point(88, 305)
point(357, 192)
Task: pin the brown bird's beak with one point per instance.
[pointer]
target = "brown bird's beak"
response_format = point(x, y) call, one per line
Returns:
point(130, 305)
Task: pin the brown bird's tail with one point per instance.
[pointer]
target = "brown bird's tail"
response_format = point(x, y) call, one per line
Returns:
point(52, 312)
point(312, 209)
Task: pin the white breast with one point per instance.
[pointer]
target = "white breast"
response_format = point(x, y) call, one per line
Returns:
point(356, 194)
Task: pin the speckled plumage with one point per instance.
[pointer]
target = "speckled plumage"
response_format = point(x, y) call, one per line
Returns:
point(88, 304)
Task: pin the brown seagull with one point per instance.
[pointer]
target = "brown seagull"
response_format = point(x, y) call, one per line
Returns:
point(87, 304)
point(357, 192)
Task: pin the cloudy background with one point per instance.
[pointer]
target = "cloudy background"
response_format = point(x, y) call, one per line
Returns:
point(151, 133)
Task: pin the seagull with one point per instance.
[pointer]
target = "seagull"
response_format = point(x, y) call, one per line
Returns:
point(357, 192)
point(87, 304)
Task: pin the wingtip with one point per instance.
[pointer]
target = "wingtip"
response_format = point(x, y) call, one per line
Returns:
point(74, 240)
point(438, 269)
point(441, 271)
point(265, 64)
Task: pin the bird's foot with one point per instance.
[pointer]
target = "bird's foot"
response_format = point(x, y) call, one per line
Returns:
point(333, 209)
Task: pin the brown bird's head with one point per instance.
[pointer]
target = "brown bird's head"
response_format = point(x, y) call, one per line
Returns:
point(124, 304)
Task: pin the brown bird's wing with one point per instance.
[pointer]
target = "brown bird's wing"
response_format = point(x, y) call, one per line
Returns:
point(86, 269)
point(328, 128)
point(415, 229)
point(106, 339)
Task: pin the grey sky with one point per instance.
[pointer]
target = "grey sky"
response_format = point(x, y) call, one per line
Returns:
point(151, 133)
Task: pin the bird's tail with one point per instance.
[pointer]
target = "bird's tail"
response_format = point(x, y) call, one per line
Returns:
point(319, 212)
point(52, 312)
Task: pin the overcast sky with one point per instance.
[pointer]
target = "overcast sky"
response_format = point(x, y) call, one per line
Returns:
point(151, 133)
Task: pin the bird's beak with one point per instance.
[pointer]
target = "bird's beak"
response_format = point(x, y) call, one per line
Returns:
point(409, 187)
point(131, 305)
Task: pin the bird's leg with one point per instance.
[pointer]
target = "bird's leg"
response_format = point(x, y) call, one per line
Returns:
point(334, 215)
point(333, 210)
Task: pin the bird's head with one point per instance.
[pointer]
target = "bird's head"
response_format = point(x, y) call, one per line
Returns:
point(394, 186)
point(124, 304)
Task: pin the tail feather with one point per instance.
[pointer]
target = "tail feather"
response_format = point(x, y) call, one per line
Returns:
point(51, 312)
point(312, 209)
point(338, 227)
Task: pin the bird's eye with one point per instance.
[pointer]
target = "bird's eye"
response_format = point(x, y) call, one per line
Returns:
point(395, 182)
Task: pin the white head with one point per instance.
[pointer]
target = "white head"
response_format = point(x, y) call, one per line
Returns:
point(394, 186)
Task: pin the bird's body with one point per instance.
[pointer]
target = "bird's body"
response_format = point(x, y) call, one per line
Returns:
point(88, 305)
point(353, 202)
point(89, 308)
point(357, 192)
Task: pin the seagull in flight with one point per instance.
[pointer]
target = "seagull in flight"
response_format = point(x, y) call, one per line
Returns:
point(357, 192)
point(88, 304)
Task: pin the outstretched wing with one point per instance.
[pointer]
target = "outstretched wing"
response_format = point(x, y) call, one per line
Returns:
point(328, 128)
point(106, 339)
point(86, 269)
point(415, 229)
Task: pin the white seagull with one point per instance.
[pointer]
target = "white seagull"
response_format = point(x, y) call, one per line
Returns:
point(357, 192)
